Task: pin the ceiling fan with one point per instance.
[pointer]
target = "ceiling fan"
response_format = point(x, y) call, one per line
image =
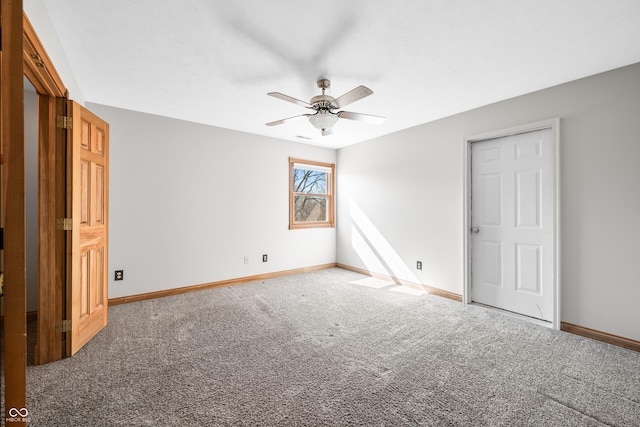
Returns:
point(324, 117)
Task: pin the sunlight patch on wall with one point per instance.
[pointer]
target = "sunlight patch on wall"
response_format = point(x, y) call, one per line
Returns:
point(374, 250)
point(366, 254)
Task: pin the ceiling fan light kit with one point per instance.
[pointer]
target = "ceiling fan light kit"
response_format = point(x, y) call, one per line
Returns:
point(324, 117)
point(323, 120)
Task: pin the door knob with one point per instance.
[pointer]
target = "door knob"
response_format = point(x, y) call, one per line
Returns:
point(475, 230)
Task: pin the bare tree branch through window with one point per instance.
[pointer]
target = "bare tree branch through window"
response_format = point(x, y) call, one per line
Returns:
point(311, 194)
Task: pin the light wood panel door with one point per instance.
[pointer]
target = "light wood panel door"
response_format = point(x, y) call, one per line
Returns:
point(88, 200)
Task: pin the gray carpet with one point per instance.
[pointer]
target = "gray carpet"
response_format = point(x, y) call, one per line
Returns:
point(318, 349)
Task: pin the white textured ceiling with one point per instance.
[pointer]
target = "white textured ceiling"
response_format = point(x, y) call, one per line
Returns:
point(213, 61)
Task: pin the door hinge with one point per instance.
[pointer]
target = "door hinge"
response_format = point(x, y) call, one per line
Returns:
point(63, 326)
point(64, 122)
point(64, 224)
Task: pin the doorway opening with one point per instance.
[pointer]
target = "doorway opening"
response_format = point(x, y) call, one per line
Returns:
point(31, 125)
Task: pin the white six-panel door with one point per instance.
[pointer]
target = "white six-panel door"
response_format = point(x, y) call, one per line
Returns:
point(512, 223)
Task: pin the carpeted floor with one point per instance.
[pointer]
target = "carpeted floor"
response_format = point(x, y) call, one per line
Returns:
point(337, 349)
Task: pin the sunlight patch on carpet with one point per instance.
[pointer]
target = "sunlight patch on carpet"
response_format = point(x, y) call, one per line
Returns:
point(372, 282)
point(407, 290)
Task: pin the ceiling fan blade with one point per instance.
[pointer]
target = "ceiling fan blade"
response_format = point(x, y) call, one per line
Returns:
point(281, 121)
point(352, 96)
point(368, 118)
point(289, 99)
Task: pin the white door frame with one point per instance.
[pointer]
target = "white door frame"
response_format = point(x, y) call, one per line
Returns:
point(554, 125)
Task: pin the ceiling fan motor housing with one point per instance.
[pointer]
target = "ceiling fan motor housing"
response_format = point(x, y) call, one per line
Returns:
point(324, 118)
point(322, 102)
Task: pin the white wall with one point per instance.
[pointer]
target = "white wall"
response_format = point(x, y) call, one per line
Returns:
point(39, 18)
point(188, 202)
point(400, 197)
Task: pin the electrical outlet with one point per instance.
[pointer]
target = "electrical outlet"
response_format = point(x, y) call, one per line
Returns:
point(264, 258)
point(119, 275)
point(419, 265)
point(246, 260)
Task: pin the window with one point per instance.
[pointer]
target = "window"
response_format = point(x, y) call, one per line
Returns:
point(310, 194)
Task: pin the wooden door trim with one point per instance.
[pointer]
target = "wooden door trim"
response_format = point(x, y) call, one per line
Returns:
point(554, 125)
point(39, 69)
point(13, 206)
point(23, 55)
point(38, 66)
point(51, 241)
